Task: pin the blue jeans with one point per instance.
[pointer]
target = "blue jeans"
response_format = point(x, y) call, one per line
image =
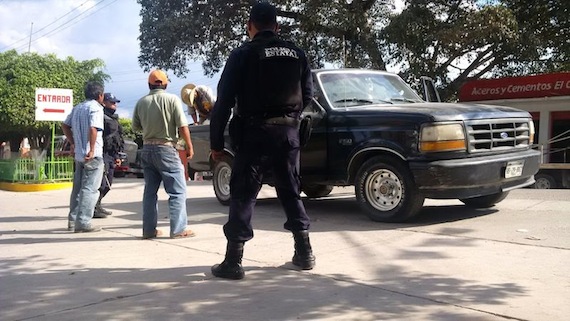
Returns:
point(85, 192)
point(161, 163)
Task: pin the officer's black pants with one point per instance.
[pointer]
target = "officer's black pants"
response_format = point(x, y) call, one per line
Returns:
point(265, 147)
point(109, 173)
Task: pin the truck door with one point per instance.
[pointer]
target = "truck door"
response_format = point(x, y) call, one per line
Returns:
point(429, 91)
point(200, 135)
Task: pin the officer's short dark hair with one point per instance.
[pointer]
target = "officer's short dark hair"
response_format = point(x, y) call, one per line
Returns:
point(263, 15)
point(93, 90)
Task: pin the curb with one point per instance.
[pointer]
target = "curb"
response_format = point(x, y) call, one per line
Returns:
point(20, 187)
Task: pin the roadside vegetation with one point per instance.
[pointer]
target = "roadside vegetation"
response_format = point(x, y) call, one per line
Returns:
point(450, 41)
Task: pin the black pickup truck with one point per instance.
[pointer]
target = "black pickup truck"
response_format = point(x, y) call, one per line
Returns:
point(372, 131)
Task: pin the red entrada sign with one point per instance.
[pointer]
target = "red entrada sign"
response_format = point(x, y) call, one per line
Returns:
point(41, 98)
point(53, 103)
point(546, 85)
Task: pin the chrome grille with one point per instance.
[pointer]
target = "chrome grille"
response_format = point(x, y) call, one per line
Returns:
point(487, 135)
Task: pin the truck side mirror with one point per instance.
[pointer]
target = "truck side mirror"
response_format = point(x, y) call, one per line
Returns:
point(429, 91)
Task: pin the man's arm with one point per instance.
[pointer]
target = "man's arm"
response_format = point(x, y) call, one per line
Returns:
point(121, 138)
point(227, 92)
point(69, 136)
point(136, 124)
point(185, 134)
point(92, 139)
point(306, 83)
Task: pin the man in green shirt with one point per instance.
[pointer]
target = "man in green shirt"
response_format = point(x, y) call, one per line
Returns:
point(161, 118)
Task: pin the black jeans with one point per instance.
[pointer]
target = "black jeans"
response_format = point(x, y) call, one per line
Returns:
point(265, 148)
point(107, 175)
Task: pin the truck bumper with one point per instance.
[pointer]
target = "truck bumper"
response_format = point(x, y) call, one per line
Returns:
point(472, 177)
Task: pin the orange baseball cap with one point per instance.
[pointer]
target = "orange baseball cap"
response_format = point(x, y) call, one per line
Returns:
point(157, 77)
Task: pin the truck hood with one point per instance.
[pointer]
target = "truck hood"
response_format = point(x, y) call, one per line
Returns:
point(437, 111)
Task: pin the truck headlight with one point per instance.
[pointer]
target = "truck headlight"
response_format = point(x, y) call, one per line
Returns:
point(531, 132)
point(442, 138)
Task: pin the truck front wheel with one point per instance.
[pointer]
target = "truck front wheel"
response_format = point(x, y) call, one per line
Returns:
point(485, 201)
point(544, 181)
point(221, 180)
point(386, 191)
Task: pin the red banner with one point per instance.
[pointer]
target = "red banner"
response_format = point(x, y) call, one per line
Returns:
point(546, 85)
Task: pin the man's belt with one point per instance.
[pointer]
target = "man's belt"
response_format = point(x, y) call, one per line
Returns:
point(158, 142)
point(281, 120)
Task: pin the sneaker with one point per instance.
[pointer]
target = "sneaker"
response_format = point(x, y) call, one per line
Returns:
point(157, 233)
point(187, 233)
point(88, 229)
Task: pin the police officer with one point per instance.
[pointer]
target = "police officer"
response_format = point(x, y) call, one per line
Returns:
point(113, 144)
point(271, 82)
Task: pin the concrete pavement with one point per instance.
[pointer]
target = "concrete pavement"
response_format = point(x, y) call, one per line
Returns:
point(506, 263)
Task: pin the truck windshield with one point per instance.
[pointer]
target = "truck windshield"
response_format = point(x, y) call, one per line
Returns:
point(346, 89)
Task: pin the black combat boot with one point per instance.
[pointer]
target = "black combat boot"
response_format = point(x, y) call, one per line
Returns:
point(100, 212)
point(231, 268)
point(303, 256)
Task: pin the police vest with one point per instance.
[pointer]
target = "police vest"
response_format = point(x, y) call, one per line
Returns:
point(273, 70)
point(112, 136)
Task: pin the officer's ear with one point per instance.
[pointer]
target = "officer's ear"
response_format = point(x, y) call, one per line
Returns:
point(249, 30)
point(277, 29)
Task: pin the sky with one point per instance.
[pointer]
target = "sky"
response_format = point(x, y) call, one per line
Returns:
point(85, 30)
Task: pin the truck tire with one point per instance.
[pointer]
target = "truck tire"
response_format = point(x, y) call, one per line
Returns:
point(386, 191)
point(316, 190)
point(544, 181)
point(485, 201)
point(221, 180)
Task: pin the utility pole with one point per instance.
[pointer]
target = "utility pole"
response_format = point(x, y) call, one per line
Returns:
point(30, 42)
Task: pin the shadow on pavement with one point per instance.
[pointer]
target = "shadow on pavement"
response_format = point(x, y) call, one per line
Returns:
point(329, 213)
point(267, 293)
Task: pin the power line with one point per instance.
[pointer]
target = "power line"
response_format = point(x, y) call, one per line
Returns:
point(56, 20)
point(85, 17)
point(63, 26)
point(74, 20)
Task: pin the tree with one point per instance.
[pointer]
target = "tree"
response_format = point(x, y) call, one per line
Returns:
point(128, 132)
point(20, 75)
point(450, 40)
point(545, 30)
point(454, 41)
point(175, 32)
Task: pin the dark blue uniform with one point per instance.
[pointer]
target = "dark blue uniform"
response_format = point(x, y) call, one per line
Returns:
point(270, 80)
point(113, 143)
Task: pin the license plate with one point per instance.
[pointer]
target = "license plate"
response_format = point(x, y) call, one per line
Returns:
point(514, 169)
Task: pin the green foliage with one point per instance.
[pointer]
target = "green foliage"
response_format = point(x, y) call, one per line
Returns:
point(544, 26)
point(128, 132)
point(454, 41)
point(21, 74)
point(451, 41)
point(175, 32)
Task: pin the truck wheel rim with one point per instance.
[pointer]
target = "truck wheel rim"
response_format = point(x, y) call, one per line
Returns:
point(383, 190)
point(543, 183)
point(224, 180)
